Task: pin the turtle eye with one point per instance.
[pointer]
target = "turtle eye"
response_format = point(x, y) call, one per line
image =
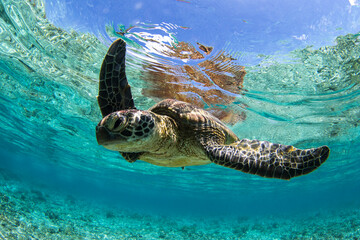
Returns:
point(119, 123)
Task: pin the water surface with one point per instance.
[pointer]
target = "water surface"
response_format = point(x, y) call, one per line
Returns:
point(301, 87)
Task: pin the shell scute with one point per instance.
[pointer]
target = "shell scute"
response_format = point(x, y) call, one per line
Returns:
point(192, 118)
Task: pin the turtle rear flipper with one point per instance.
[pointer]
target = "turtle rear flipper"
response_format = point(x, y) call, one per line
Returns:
point(267, 159)
point(114, 89)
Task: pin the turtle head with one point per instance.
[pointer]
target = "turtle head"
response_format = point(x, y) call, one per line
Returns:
point(125, 130)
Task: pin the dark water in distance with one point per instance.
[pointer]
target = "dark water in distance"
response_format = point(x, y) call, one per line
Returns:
point(301, 95)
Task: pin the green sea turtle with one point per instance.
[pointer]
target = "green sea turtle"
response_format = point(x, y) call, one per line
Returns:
point(177, 134)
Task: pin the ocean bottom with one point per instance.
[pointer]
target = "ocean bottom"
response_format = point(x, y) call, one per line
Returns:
point(35, 212)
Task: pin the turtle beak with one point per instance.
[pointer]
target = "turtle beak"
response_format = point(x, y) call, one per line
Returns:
point(108, 128)
point(106, 137)
point(103, 135)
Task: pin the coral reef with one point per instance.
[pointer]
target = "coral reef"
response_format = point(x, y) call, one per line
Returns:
point(30, 212)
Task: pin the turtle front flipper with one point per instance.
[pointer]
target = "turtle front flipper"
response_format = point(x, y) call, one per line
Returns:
point(131, 157)
point(114, 90)
point(268, 159)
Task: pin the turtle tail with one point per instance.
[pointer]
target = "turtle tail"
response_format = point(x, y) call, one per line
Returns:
point(268, 159)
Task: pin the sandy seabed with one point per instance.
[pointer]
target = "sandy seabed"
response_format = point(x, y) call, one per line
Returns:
point(30, 212)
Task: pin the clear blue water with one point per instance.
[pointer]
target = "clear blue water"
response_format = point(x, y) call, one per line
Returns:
point(302, 62)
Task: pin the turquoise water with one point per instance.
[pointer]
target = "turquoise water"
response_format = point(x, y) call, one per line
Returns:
point(58, 183)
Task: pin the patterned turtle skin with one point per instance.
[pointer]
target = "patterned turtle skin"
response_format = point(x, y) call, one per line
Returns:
point(177, 134)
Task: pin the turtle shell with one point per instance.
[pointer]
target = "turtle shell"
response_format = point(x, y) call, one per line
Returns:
point(195, 121)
